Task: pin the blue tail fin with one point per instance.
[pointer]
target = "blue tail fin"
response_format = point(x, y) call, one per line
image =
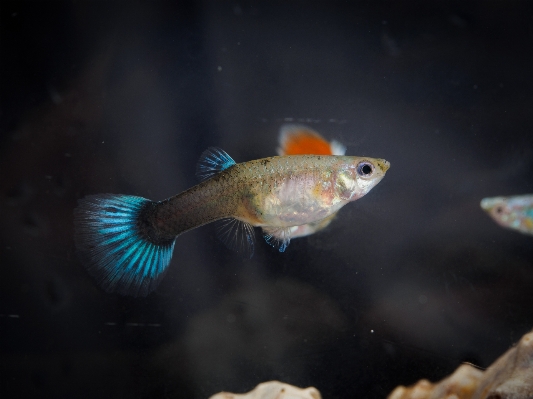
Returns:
point(110, 237)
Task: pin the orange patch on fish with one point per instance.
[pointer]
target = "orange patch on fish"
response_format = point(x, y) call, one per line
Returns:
point(317, 190)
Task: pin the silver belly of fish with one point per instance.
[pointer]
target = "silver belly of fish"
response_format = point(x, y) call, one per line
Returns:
point(296, 202)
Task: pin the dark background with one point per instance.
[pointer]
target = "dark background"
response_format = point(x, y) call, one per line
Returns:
point(407, 283)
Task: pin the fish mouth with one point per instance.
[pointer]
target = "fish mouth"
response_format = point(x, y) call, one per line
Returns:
point(384, 165)
point(488, 203)
point(485, 204)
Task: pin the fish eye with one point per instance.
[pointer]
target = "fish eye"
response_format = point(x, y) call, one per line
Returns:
point(499, 209)
point(365, 169)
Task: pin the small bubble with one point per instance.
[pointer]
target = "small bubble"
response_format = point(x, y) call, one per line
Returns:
point(219, 68)
point(372, 331)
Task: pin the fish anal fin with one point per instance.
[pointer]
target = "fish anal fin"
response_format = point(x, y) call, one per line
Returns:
point(212, 161)
point(237, 235)
point(301, 140)
point(278, 237)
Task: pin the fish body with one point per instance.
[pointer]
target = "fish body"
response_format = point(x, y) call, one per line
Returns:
point(275, 192)
point(514, 212)
point(127, 242)
point(299, 139)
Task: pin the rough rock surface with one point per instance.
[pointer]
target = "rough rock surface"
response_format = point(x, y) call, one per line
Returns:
point(510, 377)
point(273, 390)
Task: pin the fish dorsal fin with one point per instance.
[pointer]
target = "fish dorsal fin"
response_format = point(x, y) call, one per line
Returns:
point(212, 161)
point(237, 235)
point(301, 140)
point(278, 237)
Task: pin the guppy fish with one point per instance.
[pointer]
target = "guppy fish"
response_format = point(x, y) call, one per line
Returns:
point(127, 241)
point(511, 212)
point(300, 140)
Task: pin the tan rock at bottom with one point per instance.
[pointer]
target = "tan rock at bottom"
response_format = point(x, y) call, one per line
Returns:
point(510, 377)
point(273, 390)
point(460, 385)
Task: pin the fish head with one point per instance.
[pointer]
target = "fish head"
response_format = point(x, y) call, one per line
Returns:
point(498, 209)
point(358, 176)
point(514, 212)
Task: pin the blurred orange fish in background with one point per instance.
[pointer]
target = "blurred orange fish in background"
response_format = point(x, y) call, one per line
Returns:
point(301, 140)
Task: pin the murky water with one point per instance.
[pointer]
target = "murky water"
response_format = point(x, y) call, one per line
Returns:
point(406, 283)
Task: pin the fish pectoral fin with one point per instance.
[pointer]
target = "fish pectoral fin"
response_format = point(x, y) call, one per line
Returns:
point(237, 235)
point(278, 237)
point(212, 161)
